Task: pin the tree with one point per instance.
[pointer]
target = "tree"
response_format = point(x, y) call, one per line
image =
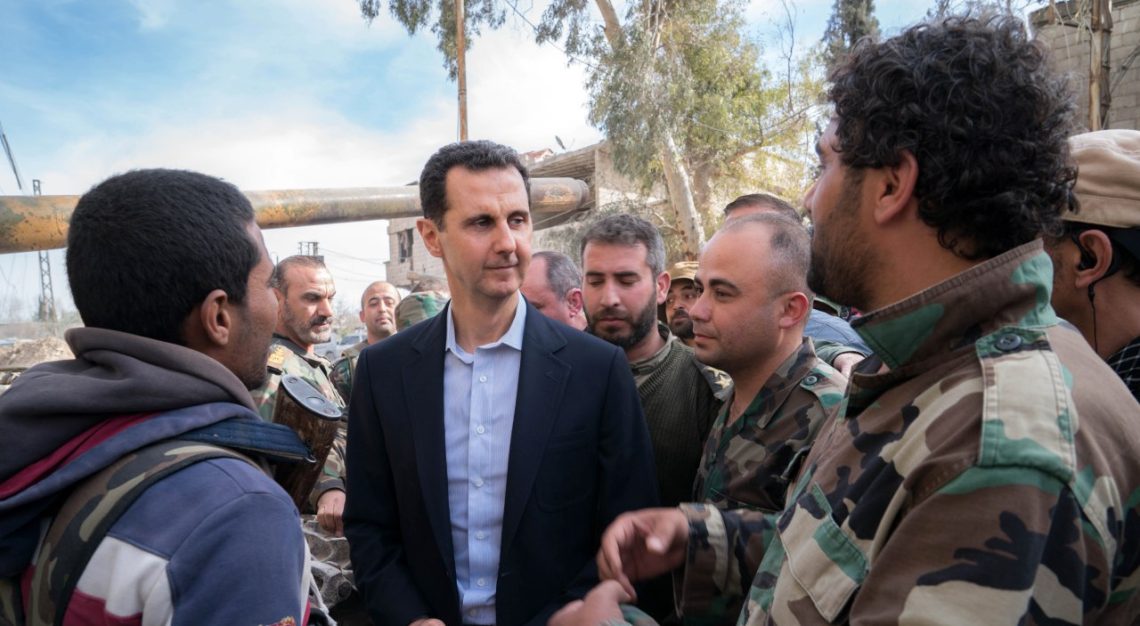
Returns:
point(676, 85)
point(850, 21)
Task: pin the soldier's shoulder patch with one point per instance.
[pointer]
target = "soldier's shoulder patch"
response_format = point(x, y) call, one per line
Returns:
point(825, 383)
point(277, 356)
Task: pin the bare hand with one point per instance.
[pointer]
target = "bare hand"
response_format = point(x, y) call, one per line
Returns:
point(600, 606)
point(330, 511)
point(846, 362)
point(643, 544)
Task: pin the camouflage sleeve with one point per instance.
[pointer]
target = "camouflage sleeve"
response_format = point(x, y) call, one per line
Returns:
point(828, 350)
point(725, 549)
point(997, 545)
point(332, 474)
point(341, 377)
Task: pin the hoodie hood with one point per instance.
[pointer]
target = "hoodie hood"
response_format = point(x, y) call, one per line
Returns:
point(65, 420)
point(113, 374)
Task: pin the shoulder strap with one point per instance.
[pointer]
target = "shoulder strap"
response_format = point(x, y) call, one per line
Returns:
point(88, 514)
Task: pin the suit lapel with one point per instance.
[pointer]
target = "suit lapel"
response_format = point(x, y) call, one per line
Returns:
point(542, 382)
point(423, 385)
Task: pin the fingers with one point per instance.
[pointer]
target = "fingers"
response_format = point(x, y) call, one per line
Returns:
point(330, 512)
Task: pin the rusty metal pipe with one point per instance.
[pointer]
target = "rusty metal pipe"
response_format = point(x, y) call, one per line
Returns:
point(40, 222)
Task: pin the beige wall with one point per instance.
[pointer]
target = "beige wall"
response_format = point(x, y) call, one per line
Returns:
point(1070, 48)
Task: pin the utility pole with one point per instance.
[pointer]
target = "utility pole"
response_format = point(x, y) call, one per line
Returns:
point(461, 67)
point(309, 248)
point(47, 294)
point(1100, 25)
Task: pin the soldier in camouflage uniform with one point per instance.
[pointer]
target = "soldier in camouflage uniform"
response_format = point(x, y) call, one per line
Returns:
point(304, 290)
point(749, 322)
point(419, 306)
point(982, 468)
point(378, 314)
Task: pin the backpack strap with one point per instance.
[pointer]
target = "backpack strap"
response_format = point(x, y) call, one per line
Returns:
point(88, 513)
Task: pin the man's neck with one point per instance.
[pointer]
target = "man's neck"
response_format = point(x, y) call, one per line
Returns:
point(1117, 317)
point(483, 322)
point(371, 339)
point(748, 382)
point(307, 347)
point(647, 347)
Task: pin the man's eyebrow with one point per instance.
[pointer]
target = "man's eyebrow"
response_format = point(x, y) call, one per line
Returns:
point(720, 282)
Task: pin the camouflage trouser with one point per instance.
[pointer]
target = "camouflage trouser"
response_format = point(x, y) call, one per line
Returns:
point(331, 569)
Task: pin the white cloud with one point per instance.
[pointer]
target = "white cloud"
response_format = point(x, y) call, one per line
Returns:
point(153, 14)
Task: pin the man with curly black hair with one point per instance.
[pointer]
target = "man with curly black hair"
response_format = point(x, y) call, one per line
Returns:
point(982, 469)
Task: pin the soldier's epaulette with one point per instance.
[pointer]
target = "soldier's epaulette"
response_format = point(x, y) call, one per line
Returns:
point(276, 362)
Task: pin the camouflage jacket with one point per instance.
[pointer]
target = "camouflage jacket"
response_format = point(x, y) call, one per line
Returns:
point(342, 370)
point(981, 470)
point(286, 357)
point(749, 463)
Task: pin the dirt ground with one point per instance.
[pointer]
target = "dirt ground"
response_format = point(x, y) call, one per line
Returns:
point(24, 354)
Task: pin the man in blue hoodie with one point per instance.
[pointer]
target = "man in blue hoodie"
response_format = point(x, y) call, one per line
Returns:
point(171, 277)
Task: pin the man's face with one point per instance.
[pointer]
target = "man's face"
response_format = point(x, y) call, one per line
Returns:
point(736, 317)
point(378, 310)
point(842, 259)
point(306, 305)
point(621, 292)
point(257, 317)
point(682, 294)
point(485, 238)
point(538, 292)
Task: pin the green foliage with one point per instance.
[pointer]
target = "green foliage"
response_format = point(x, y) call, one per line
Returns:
point(416, 15)
point(850, 21)
point(686, 69)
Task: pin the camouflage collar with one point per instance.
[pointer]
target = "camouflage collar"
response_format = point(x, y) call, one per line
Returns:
point(1012, 289)
point(311, 359)
point(777, 388)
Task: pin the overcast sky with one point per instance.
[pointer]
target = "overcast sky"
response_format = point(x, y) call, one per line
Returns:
point(279, 94)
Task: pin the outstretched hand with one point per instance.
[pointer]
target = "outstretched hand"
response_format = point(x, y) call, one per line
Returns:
point(643, 544)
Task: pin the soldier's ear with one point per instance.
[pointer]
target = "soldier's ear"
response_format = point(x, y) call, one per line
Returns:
point(216, 318)
point(796, 308)
point(209, 326)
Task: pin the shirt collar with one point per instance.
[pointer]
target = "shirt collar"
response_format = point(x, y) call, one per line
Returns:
point(1012, 289)
point(513, 338)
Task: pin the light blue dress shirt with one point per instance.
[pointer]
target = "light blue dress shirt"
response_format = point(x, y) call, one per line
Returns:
point(479, 394)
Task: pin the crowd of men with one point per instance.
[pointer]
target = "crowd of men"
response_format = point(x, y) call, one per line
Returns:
point(629, 442)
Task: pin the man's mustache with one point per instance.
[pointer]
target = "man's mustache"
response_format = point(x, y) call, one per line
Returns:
point(318, 320)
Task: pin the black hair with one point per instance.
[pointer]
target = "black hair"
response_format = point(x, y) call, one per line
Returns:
point(144, 248)
point(475, 156)
point(974, 100)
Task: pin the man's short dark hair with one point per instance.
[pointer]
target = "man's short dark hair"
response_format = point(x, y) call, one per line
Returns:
point(144, 248)
point(974, 100)
point(789, 250)
point(765, 201)
point(475, 156)
point(624, 229)
point(562, 274)
point(277, 278)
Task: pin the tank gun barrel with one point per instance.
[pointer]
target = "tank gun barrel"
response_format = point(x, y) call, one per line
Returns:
point(40, 222)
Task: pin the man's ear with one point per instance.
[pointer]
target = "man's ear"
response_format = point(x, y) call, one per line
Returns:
point(574, 300)
point(1095, 259)
point(215, 319)
point(895, 188)
point(796, 307)
point(429, 232)
point(663, 282)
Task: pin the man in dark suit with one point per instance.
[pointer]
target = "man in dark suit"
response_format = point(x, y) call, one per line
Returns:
point(489, 447)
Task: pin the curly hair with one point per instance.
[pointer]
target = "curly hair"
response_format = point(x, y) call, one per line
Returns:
point(976, 103)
